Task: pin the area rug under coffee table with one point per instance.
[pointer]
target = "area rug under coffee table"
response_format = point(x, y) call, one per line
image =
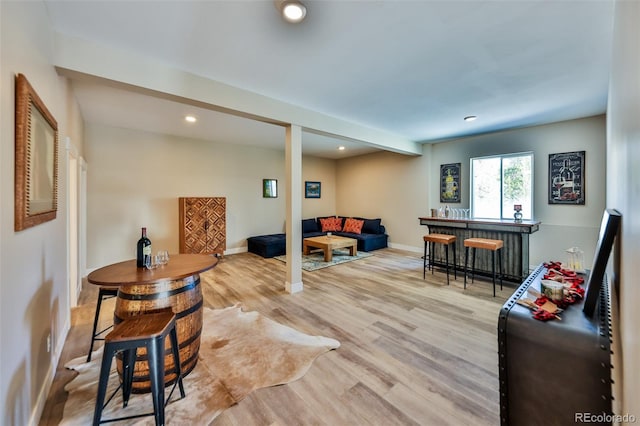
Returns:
point(314, 261)
point(239, 352)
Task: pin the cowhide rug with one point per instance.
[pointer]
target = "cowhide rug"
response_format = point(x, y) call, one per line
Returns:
point(239, 352)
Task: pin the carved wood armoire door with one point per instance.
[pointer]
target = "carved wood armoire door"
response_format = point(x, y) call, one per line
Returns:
point(203, 225)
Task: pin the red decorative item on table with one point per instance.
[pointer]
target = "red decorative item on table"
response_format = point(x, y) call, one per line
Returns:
point(572, 292)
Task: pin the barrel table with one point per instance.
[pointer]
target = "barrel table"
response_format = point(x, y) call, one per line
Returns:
point(175, 285)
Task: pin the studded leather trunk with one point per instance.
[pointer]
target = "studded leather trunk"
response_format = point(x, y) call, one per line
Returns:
point(556, 372)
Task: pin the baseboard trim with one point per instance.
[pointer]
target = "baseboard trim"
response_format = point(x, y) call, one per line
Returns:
point(406, 248)
point(41, 400)
point(236, 250)
point(293, 288)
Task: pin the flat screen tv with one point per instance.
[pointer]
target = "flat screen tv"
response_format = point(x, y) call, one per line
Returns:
point(608, 230)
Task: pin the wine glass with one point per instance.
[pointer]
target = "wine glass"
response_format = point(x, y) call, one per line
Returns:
point(162, 257)
point(150, 262)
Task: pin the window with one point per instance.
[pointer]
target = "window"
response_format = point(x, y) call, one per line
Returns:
point(500, 182)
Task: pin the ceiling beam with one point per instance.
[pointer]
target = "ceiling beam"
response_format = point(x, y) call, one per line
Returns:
point(74, 57)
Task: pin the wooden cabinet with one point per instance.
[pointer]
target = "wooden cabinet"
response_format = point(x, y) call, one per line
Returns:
point(203, 225)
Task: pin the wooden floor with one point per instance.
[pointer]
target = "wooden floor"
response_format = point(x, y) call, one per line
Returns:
point(413, 351)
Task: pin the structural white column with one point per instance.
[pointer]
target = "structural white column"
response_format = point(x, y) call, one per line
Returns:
point(293, 160)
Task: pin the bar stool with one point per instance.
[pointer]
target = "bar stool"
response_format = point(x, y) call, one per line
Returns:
point(446, 240)
point(103, 294)
point(487, 244)
point(148, 331)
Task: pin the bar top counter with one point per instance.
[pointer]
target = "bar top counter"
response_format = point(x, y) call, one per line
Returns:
point(506, 225)
point(515, 236)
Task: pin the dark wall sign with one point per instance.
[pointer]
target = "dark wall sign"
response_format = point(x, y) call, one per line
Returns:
point(450, 183)
point(566, 178)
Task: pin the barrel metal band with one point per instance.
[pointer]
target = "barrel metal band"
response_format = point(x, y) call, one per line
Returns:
point(117, 319)
point(160, 295)
point(189, 311)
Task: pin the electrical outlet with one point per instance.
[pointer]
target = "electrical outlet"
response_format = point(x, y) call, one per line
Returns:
point(49, 343)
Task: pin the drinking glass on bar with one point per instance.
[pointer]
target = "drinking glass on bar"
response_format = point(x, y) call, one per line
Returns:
point(150, 262)
point(162, 257)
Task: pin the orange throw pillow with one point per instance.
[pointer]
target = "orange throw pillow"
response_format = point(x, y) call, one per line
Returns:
point(353, 226)
point(331, 224)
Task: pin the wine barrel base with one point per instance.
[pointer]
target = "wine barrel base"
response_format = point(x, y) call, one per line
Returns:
point(141, 379)
point(184, 297)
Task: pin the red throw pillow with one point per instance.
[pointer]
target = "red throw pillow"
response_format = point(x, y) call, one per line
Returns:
point(331, 224)
point(353, 226)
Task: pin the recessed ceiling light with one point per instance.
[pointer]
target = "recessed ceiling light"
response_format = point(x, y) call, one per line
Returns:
point(341, 148)
point(292, 10)
point(470, 117)
point(190, 118)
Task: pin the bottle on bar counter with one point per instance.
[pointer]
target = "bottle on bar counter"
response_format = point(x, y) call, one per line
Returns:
point(446, 211)
point(143, 255)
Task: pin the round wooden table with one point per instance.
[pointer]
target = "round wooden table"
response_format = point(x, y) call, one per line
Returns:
point(175, 285)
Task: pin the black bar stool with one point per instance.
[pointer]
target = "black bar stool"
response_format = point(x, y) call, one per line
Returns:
point(148, 331)
point(487, 244)
point(103, 294)
point(446, 240)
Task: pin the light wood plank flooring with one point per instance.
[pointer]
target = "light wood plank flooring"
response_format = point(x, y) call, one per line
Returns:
point(414, 351)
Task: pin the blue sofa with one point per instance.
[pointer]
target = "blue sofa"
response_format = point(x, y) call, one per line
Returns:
point(372, 237)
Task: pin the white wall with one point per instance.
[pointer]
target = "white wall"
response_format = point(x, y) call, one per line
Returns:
point(324, 171)
point(33, 263)
point(400, 188)
point(135, 179)
point(623, 191)
point(563, 226)
point(390, 186)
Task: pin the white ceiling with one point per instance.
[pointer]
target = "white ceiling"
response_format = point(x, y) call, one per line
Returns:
point(410, 68)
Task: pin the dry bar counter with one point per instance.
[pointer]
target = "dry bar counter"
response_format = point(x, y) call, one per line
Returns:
point(514, 234)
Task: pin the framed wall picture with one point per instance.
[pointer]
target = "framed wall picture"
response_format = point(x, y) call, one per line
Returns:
point(312, 189)
point(566, 178)
point(269, 188)
point(450, 183)
point(36, 159)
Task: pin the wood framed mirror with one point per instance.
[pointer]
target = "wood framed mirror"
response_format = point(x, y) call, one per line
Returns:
point(36, 168)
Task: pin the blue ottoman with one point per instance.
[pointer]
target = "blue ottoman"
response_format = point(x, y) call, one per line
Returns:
point(268, 245)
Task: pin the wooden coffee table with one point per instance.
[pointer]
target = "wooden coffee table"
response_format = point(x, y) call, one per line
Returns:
point(327, 244)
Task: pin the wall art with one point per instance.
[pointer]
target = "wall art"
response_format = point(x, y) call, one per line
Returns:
point(36, 159)
point(566, 178)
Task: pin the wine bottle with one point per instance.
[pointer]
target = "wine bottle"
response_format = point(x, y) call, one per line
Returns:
point(144, 250)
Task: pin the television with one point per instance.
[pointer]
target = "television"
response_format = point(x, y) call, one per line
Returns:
point(608, 230)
